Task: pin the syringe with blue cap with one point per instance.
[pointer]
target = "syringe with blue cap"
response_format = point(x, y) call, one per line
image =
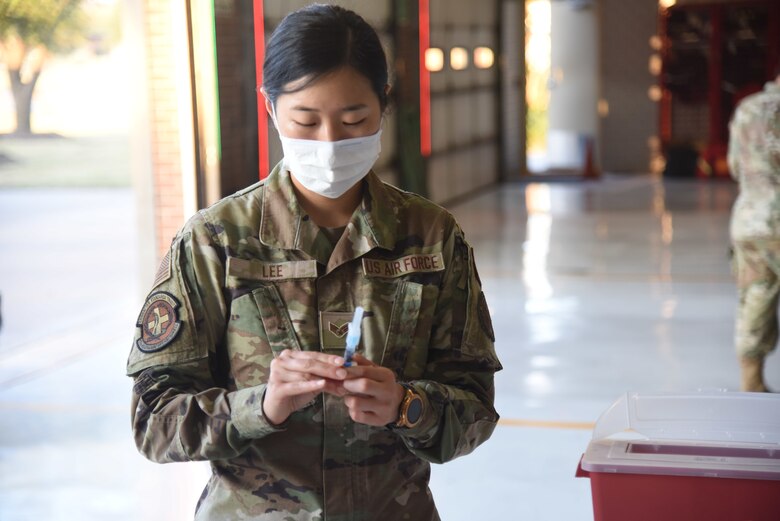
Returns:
point(353, 336)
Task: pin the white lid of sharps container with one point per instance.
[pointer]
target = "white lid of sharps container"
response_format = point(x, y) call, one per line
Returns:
point(716, 434)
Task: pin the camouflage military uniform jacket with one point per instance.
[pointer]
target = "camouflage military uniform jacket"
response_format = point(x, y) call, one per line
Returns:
point(754, 161)
point(251, 276)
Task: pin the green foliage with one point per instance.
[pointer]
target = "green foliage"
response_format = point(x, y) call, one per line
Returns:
point(537, 123)
point(55, 24)
point(104, 25)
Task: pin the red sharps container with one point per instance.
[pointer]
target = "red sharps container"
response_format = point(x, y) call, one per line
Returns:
point(705, 456)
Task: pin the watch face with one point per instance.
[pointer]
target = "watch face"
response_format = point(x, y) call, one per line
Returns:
point(414, 411)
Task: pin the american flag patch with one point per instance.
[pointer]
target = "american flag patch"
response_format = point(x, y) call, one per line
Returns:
point(164, 271)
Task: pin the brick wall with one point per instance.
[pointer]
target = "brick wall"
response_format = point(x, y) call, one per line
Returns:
point(171, 103)
point(164, 123)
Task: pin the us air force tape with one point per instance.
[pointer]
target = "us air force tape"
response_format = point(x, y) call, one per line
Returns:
point(159, 322)
point(417, 263)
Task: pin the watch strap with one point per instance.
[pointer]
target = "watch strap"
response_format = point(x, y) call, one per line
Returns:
point(410, 394)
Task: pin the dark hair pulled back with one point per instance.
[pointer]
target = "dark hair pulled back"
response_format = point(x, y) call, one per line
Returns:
point(319, 39)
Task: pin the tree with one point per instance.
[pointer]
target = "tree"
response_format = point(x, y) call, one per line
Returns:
point(29, 32)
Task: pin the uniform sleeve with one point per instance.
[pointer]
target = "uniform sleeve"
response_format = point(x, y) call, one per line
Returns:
point(457, 387)
point(180, 410)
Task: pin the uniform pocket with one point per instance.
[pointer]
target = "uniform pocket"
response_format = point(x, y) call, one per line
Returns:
point(278, 327)
point(258, 330)
point(406, 343)
point(249, 353)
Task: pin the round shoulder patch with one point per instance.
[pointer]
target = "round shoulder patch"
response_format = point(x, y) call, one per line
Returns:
point(484, 317)
point(159, 322)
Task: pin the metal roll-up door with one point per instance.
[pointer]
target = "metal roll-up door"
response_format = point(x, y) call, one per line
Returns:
point(464, 98)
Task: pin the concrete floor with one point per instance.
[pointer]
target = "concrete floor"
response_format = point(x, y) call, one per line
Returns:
point(595, 289)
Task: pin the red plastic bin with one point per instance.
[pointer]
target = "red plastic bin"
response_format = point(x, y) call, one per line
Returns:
point(695, 457)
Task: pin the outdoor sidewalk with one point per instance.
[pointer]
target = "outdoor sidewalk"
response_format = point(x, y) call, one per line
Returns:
point(70, 295)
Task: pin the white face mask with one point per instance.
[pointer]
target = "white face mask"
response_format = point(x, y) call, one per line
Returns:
point(330, 168)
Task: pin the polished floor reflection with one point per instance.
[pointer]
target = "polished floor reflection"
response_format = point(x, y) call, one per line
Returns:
point(595, 289)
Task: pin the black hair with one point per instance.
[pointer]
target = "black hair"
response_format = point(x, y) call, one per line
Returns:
point(319, 39)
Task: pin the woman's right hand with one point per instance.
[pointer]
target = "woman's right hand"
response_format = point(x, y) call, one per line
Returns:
point(296, 378)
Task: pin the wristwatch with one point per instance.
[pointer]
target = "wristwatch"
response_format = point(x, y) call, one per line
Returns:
point(410, 411)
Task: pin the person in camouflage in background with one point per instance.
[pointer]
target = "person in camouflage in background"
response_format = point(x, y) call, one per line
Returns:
point(754, 161)
point(237, 357)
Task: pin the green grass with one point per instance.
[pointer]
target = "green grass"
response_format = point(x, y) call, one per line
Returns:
point(56, 161)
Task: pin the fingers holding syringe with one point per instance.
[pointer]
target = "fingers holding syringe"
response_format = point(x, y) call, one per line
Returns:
point(296, 377)
point(296, 365)
point(374, 395)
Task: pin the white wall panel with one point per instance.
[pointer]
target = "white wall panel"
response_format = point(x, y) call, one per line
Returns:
point(438, 183)
point(484, 13)
point(461, 37)
point(512, 90)
point(487, 165)
point(624, 34)
point(485, 77)
point(464, 173)
point(440, 123)
point(466, 97)
point(275, 10)
point(438, 82)
point(377, 12)
point(485, 115)
point(462, 118)
point(439, 11)
point(439, 40)
point(461, 12)
point(485, 38)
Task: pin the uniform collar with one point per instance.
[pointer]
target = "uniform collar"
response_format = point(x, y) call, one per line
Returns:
point(284, 224)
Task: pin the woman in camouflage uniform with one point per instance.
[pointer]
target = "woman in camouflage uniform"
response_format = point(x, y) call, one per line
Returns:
point(238, 352)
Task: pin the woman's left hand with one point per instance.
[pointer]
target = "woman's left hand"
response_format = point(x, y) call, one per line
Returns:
point(374, 395)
